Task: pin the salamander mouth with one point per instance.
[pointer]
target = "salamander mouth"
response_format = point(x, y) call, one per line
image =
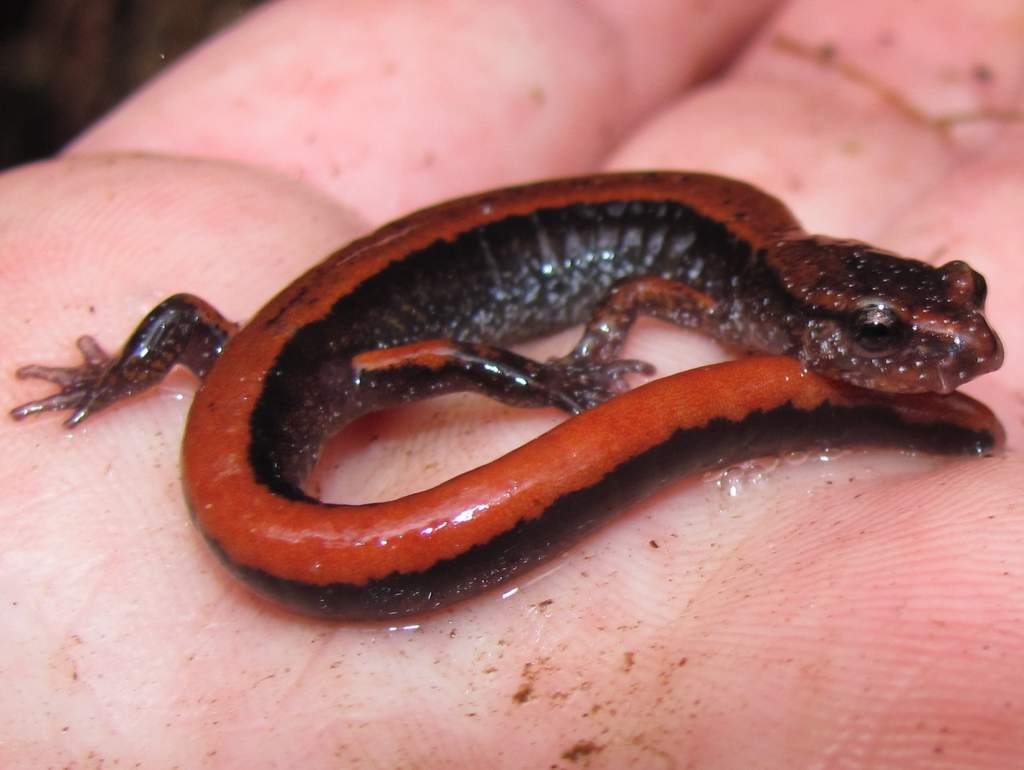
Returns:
point(915, 372)
point(959, 350)
point(936, 371)
point(973, 353)
point(948, 376)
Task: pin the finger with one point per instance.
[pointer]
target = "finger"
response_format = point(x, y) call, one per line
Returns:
point(826, 133)
point(831, 109)
point(388, 106)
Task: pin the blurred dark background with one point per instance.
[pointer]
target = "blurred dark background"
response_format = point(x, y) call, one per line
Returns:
point(63, 63)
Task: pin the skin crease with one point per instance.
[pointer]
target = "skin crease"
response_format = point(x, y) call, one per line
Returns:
point(866, 612)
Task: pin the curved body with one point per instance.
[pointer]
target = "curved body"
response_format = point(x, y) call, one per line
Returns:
point(425, 305)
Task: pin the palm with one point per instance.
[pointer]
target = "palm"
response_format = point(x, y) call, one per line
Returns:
point(844, 613)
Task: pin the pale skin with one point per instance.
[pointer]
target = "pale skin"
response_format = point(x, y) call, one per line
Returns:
point(866, 612)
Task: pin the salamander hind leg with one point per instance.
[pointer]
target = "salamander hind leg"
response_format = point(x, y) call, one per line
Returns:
point(182, 329)
point(433, 367)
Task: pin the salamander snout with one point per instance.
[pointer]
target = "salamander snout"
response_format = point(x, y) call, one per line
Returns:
point(960, 348)
point(950, 341)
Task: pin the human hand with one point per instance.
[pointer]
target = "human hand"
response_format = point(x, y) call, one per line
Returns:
point(864, 612)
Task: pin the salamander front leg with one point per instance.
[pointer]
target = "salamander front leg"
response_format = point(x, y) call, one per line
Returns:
point(659, 298)
point(182, 329)
point(433, 367)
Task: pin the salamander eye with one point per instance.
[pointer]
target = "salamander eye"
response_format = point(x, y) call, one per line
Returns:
point(877, 330)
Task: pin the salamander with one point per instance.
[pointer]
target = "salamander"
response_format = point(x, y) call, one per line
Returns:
point(856, 345)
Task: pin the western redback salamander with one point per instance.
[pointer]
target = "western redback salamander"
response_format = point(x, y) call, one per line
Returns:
point(425, 306)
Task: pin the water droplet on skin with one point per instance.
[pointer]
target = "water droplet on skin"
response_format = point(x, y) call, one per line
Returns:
point(831, 454)
point(404, 629)
point(795, 458)
point(735, 479)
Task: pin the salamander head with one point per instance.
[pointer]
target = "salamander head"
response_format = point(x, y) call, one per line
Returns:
point(877, 320)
